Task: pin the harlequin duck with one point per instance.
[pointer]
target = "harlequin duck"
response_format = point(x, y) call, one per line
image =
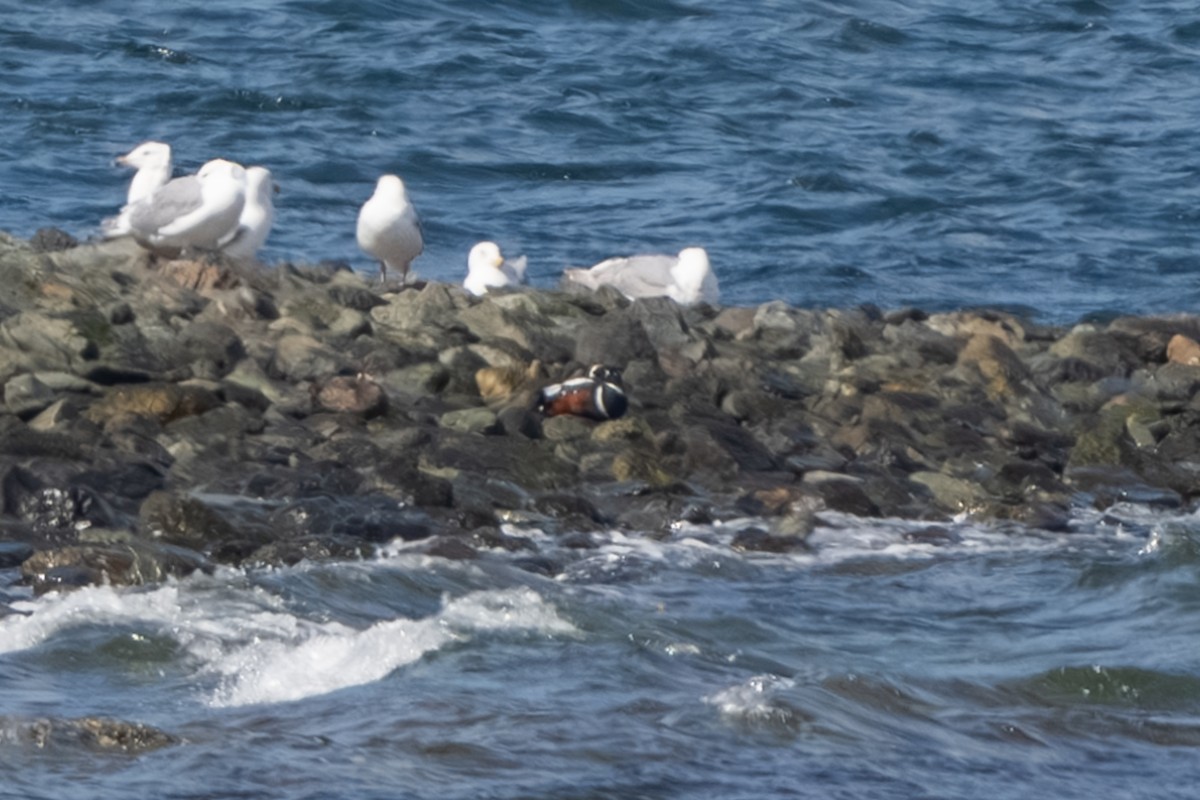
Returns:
point(598, 395)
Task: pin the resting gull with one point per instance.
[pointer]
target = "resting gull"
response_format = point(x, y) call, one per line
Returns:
point(152, 160)
point(686, 278)
point(258, 214)
point(195, 211)
point(388, 228)
point(488, 269)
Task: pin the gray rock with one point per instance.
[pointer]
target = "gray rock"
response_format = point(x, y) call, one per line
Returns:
point(471, 420)
point(300, 358)
point(26, 396)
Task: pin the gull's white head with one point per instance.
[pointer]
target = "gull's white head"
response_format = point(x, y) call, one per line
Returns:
point(391, 186)
point(258, 184)
point(147, 154)
point(153, 163)
point(220, 169)
point(484, 257)
point(692, 277)
point(692, 266)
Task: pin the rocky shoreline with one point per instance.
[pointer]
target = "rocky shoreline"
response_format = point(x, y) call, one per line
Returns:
point(164, 417)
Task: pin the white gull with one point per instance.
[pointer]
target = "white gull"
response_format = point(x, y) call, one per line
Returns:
point(388, 228)
point(195, 211)
point(687, 278)
point(152, 160)
point(258, 214)
point(488, 269)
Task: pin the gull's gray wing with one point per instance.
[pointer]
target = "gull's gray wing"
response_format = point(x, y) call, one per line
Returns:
point(637, 276)
point(167, 204)
point(514, 269)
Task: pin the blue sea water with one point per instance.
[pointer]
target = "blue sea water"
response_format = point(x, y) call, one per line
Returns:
point(1034, 156)
point(1040, 157)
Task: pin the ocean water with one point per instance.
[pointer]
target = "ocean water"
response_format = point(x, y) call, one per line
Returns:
point(881, 663)
point(1039, 157)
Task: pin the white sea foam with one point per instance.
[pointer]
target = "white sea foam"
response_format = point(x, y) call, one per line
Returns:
point(41, 619)
point(317, 658)
point(753, 700)
point(255, 650)
point(321, 658)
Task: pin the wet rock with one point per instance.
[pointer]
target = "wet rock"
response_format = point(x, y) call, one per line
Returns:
point(933, 535)
point(1047, 516)
point(54, 499)
point(96, 734)
point(190, 522)
point(843, 493)
point(561, 505)
point(452, 548)
point(519, 460)
point(1112, 484)
point(401, 478)
point(128, 563)
point(313, 548)
point(758, 540)
point(1019, 479)
point(370, 518)
point(490, 537)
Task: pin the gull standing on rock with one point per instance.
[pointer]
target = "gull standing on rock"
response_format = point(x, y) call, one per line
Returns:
point(388, 228)
point(152, 160)
point(488, 269)
point(687, 278)
point(258, 214)
point(195, 211)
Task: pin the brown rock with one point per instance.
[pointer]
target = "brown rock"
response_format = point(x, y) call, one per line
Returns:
point(120, 564)
point(199, 276)
point(1183, 350)
point(1005, 373)
point(498, 384)
point(164, 401)
point(351, 395)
